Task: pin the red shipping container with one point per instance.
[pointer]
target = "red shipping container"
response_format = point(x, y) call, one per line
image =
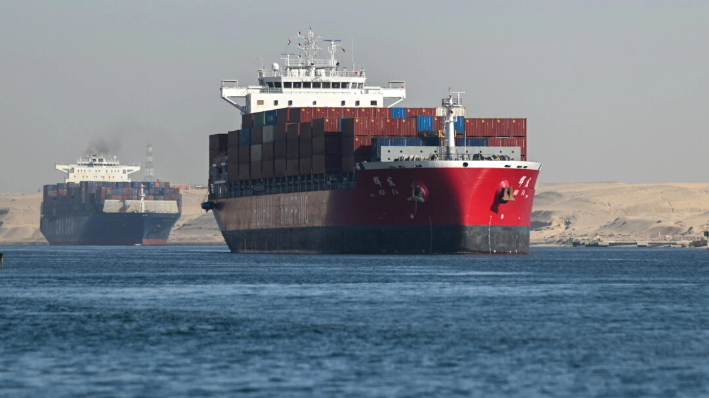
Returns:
point(336, 113)
point(354, 126)
point(518, 127)
point(305, 115)
point(375, 126)
point(494, 141)
point(391, 126)
point(350, 112)
point(318, 113)
point(328, 124)
point(407, 127)
point(486, 126)
point(426, 112)
point(367, 112)
point(381, 112)
point(501, 127)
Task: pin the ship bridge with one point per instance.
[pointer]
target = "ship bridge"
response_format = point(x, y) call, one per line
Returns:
point(307, 81)
point(97, 167)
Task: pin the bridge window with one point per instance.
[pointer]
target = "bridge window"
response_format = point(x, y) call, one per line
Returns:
point(270, 84)
point(277, 84)
point(287, 85)
point(335, 84)
point(325, 84)
point(275, 102)
point(306, 84)
point(342, 103)
point(317, 85)
point(345, 85)
point(373, 103)
point(357, 103)
point(290, 102)
point(315, 103)
point(296, 84)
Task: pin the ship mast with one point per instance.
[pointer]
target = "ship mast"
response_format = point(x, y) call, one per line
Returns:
point(451, 103)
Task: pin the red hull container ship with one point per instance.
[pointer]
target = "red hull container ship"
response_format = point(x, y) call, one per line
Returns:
point(322, 165)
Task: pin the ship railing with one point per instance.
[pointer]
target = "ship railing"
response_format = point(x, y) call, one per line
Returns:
point(303, 63)
point(322, 73)
point(230, 84)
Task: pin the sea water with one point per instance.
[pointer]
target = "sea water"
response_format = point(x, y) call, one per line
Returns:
point(200, 321)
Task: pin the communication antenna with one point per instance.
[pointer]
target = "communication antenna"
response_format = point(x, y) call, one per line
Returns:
point(149, 170)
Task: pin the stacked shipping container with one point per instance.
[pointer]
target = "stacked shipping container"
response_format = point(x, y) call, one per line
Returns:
point(297, 141)
point(89, 196)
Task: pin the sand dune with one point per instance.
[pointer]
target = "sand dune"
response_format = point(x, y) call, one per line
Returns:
point(615, 211)
point(671, 211)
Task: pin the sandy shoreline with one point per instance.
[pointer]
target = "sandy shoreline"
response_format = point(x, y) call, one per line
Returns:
point(605, 211)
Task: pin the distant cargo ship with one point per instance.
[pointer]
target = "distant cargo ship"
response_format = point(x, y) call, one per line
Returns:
point(321, 166)
point(99, 205)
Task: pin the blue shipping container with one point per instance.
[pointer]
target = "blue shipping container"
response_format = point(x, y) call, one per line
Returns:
point(413, 141)
point(245, 137)
point(399, 113)
point(398, 141)
point(459, 125)
point(271, 117)
point(432, 141)
point(424, 123)
point(471, 141)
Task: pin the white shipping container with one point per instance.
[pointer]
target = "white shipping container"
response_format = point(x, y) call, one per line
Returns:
point(456, 112)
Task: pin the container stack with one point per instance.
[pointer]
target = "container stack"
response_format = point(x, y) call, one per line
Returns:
point(298, 141)
point(88, 196)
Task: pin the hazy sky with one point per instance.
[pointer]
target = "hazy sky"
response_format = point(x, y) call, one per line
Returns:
point(613, 90)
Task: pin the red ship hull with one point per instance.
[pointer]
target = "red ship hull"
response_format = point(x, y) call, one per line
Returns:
point(392, 209)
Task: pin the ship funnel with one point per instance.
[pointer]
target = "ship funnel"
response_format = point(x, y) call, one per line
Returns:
point(450, 103)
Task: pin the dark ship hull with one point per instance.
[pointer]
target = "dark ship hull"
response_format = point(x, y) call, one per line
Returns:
point(108, 229)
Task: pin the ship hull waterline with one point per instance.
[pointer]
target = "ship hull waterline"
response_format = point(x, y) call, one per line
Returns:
point(461, 212)
point(108, 229)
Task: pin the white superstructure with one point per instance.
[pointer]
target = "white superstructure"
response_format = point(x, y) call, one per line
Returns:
point(97, 167)
point(307, 81)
